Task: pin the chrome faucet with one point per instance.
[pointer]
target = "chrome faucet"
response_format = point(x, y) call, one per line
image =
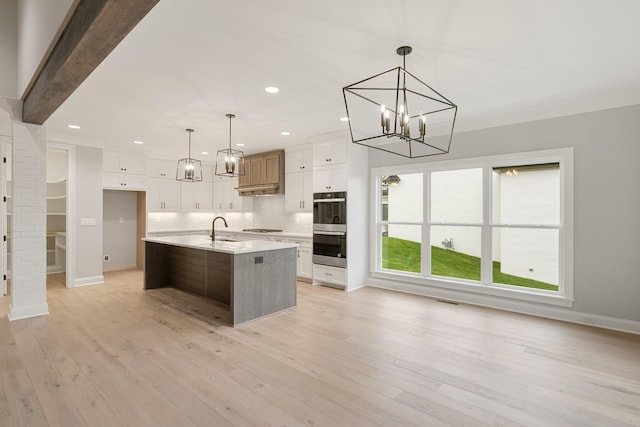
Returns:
point(213, 227)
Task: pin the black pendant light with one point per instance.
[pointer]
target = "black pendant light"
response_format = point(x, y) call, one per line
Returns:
point(230, 162)
point(189, 170)
point(394, 111)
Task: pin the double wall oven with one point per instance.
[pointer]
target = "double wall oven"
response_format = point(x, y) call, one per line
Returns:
point(330, 228)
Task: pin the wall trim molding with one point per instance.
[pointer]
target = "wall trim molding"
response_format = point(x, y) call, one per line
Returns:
point(86, 281)
point(522, 307)
point(28, 311)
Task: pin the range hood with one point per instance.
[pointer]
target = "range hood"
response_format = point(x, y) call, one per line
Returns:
point(264, 174)
point(258, 190)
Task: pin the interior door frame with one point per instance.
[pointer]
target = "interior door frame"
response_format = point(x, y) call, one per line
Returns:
point(70, 211)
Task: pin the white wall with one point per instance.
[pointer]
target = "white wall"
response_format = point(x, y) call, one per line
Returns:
point(606, 202)
point(56, 164)
point(88, 206)
point(119, 228)
point(39, 22)
point(9, 48)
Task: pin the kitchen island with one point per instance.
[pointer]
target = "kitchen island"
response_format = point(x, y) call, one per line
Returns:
point(254, 278)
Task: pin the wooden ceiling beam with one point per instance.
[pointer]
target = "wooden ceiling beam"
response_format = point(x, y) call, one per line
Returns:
point(93, 31)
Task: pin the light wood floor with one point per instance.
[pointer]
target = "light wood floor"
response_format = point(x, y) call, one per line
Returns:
point(115, 355)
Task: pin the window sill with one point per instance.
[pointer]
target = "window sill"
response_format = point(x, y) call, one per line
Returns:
point(461, 285)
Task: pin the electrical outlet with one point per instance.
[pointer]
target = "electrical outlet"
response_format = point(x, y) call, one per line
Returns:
point(258, 260)
point(107, 258)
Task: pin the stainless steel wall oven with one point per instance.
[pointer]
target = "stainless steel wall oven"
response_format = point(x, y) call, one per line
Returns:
point(330, 228)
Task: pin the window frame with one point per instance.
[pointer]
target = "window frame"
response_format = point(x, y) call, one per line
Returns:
point(562, 297)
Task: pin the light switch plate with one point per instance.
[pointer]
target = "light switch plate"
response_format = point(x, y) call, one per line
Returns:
point(87, 221)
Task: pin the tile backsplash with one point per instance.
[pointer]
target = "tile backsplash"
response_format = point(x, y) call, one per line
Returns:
point(268, 212)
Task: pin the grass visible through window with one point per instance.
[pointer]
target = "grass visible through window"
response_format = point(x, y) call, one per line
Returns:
point(404, 255)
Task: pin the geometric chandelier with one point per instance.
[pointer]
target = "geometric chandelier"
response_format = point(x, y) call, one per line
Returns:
point(189, 170)
point(230, 162)
point(396, 112)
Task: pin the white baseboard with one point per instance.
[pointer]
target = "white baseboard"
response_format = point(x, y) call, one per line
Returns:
point(121, 268)
point(516, 306)
point(91, 280)
point(27, 312)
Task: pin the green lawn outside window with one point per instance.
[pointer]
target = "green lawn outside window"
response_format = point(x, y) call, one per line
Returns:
point(404, 255)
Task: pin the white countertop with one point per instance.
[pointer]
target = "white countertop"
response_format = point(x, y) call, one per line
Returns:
point(205, 243)
point(219, 229)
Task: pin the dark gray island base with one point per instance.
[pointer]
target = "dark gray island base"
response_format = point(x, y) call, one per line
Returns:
point(253, 278)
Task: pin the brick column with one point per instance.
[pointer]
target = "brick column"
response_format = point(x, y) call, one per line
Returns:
point(29, 222)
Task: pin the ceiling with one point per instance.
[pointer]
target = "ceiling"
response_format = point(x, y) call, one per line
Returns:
point(188, 63)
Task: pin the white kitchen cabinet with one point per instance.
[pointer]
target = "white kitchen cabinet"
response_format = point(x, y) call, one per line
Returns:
point(329, 152)
point(304, 264)
point(196, 196)
point(123, 181)
point(298, 159)
point(299, 194)
point(123, 171)
point(226, 197)
point(329, 276)
point(128, 163)
point(330, 178)
point(161, 168)
point(163, 195)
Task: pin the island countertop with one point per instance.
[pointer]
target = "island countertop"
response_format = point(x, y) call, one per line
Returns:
point(205, 243)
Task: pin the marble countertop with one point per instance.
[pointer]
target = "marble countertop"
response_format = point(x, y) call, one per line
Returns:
point(205, 243)
point(219, 229)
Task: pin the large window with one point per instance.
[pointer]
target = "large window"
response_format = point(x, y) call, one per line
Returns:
point(499, 225)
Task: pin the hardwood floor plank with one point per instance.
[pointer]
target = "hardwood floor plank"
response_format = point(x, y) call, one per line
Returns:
point(114, 354)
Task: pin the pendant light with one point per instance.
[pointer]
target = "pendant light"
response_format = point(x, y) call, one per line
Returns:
point(189, 170)
point(230, 162)
point(396, 112)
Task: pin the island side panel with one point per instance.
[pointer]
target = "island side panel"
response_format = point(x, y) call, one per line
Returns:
point(219, 277)
point(187, 270)
point(156, 265)
point(263, 288)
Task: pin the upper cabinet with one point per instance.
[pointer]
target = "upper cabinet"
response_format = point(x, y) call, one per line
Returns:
point(299, 177)
point(123, 171)
point(299, 159)
point(119, 162)
point(264, 174)
point(196, 196)
point(329, 152)
point(226, 197)
point(160, 168)
point(330, 164)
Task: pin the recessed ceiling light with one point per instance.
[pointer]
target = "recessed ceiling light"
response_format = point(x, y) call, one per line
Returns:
point(138, 142)
point(285, 133)
point(204, 152)
point(73, 127)
point(344, 119)
point(271, 89)
point(240, 145)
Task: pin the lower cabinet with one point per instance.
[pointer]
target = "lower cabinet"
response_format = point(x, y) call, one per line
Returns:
point(329, 276)
point(304, 258)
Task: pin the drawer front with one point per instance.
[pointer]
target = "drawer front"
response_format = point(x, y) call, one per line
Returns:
point(331, 275)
